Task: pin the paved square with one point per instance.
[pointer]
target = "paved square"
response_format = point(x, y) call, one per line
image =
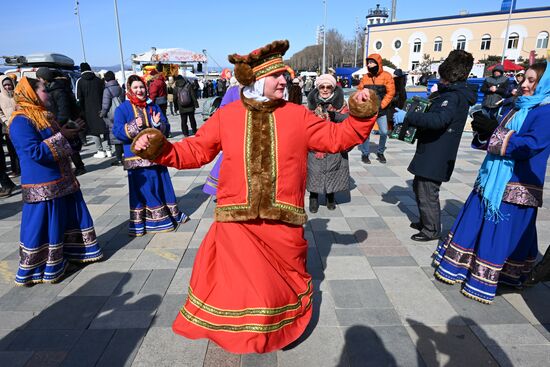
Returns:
point(376, 302)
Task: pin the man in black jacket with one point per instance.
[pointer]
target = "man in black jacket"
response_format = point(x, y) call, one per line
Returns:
point(439, 133)
point(63, 106)
point(495, 88)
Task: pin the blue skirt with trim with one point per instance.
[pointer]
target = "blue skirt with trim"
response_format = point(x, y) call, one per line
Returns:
point(52, 233)
point(153, 205)
point(481, 253)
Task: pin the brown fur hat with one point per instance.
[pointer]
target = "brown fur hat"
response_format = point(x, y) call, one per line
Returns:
point(457, 66)
point(260, 63)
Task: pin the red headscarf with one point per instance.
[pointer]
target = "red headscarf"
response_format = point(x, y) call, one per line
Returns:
point(134, 99)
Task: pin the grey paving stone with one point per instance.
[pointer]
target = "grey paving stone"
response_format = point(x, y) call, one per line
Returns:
point(29, 298)
point(131, 302)
point(216, 356)
point(122, 320)
point(122, 348)
point(168, 310)
point(392, 261)
point(189, 226)
point(158, 259)
point(348, 267)
point(88, 349)
point(10, 320)
point(450, 345)
point(45, 340)
point(188, 258)
point(93, 283)
point(6, 337)
point(367, 316)
point(499, 312)
point(509, 334)
point(524, 356)
point(253, 360)
point(322, 348)
point(380, 346)
point(158, 282)
point(15, 359)
point(358, 294)
point(132, 282)
point(162, 347)
point(68, 313)
point(544, 329)
point(180, 282)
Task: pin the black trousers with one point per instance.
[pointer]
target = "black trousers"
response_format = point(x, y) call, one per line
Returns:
point(427, 200)
point(5, 181)
point(184, 127)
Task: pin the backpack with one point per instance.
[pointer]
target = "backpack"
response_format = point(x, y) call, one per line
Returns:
point(184, 97)
point(115, 102)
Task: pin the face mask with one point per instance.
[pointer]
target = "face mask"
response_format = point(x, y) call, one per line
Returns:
point(373, 70)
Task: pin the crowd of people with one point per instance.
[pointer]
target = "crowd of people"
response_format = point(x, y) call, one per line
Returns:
point(250, 290)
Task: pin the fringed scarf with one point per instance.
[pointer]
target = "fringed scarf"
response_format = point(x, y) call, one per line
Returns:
point(496, 171)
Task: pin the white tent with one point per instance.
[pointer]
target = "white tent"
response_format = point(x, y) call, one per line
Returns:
point(187, 74)
point(364, 70)
point(169, 55)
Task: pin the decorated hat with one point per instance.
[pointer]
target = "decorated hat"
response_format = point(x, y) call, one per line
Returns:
point(260, 63)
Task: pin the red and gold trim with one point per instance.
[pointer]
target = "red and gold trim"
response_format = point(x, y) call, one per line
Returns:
point(271, 65)
point(256, 320)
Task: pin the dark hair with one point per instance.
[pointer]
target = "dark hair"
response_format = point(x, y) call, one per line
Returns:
point(134, 78)
point(539, 68)
point(35, 83)
point(109, 76)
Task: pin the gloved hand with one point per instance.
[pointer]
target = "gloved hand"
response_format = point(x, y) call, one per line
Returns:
point(483, 125)
point(399, 116)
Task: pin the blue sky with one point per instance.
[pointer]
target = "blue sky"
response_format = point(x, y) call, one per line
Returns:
point(220, 27)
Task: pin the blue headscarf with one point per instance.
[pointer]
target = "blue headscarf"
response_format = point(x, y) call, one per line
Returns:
point(496, 171)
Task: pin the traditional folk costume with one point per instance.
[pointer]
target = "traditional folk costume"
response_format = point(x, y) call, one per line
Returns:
point(56, 226)
point(153, 204)
point(250, 291)
point(211, 185)
point(494, 238)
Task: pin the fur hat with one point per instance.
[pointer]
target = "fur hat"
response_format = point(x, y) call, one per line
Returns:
point(45, 73)
point(457, 66)
point(260, 63)
point(325, 79)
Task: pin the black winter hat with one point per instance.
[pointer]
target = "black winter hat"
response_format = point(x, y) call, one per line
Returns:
point(457, 66)
point(45, 73)
point(84, 66)
point(109, 76)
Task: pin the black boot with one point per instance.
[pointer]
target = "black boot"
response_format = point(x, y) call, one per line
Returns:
point(313, 202)
point(541, 271)
point(331, 204)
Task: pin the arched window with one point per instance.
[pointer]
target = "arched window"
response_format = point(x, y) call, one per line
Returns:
point(542, 40)
point(513, 41)
point(486, 42)
point(461, 43)
point(417, 45)
point(438, 44)
point(378, 45)
point(397, 44)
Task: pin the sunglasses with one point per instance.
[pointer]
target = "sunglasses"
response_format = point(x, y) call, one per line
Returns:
point(329, 87)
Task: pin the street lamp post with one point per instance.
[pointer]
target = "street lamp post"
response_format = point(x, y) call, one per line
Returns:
point(324, 37)
point(356, 34)
point(507, 31)
point(205, 65)
point(77, 13)
point(119, 43)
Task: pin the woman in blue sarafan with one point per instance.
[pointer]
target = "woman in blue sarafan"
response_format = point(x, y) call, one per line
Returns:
point(56, 226)
point(153, 205)
point(494, 238)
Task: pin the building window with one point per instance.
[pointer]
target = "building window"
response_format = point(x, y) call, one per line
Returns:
point(378, 45)
point(542, 40)
point(513, 41)
point(438, 44)
point(371, 21)
point(415, 64)
point(486, 42)
point(461, 43)
point(397, 44)
point(378, 21)
point(417, 46)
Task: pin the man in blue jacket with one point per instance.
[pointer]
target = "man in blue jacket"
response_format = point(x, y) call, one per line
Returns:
point(439, 133)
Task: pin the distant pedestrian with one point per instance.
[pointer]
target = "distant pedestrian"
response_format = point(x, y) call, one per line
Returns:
point(158, 90)
point(7, 106)
point(113, 96)
point(89, 94)
point(295, 92)
point(495, 88)
point(186, 103)
point(170, 84)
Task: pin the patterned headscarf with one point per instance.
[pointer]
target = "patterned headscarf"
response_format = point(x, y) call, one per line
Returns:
point(29, 105)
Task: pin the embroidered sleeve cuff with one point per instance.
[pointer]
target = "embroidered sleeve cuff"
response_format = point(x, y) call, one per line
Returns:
point(59, 146)
point(499, 141)
point(132, 129)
